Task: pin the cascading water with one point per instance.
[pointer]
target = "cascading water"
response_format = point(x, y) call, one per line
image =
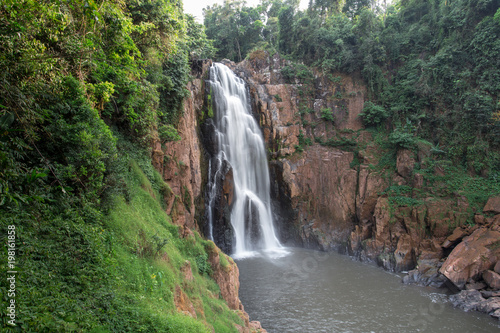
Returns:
point(240, 142)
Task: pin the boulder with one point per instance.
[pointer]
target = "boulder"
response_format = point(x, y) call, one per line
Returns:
point(492, 206)
point(497, 267)
point(456, 236)
point(489, 293)
point(474, 255)
point(492, 279)
point(405, 162)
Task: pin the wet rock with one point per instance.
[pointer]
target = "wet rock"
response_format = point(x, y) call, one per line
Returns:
point(495, 314)
point(492, 279)
point(474, 255)
point(467, 300)
point(489, 305)
point(426, 274)
point(492, 206)
point(489, 293)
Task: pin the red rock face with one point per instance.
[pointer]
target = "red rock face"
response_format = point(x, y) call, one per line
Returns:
point(179, 162)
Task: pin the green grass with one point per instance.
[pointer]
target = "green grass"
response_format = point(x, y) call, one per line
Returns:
point(115, 272)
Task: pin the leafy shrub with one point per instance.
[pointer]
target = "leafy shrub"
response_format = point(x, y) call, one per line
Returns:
point(203, 264)
point(373, 115)
point(168, 132)
point(327, 115)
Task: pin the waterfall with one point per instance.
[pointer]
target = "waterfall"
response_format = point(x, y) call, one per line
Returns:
point(241, 143)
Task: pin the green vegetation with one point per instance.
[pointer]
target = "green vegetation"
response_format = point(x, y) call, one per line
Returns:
point(373, 115)
point(95, 250)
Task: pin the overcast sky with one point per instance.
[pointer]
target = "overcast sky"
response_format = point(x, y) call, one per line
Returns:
point(195, 7)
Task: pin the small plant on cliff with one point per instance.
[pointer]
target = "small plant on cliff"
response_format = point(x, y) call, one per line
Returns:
point(168, 133)
point(303, 141)
point(327, 114)
point(373, 115)
point(203, 264)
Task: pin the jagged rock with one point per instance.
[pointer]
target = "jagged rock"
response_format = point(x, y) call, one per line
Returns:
point(405, 162)
point(472, 300)
point(418, 180)
point(257, 327)
point(489, 305)
point(479, 219)
point(179, 162)
point(492, 279)
point(467, 300)
point(472, 257)
point(497, 267)
point(456, 236)
point(495, 314)
point(493, 205)
point(426, 274)
point(475, 286)
point(430, 249)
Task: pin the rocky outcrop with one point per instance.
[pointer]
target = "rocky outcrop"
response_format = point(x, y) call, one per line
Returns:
point(492, 206)
point(225, 272)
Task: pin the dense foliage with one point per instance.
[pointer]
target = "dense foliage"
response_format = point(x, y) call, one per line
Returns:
point(86, 85)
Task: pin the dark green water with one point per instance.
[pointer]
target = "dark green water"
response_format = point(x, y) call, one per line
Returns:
point(309, 291)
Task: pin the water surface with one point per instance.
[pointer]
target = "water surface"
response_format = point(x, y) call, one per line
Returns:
point(310, 291)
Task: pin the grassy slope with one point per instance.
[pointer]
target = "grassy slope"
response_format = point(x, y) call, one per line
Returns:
point(113, 275)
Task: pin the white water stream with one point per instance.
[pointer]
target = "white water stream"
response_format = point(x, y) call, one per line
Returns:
point(240, 142)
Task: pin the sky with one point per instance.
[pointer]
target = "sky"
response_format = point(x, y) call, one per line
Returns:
point(195, 7)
